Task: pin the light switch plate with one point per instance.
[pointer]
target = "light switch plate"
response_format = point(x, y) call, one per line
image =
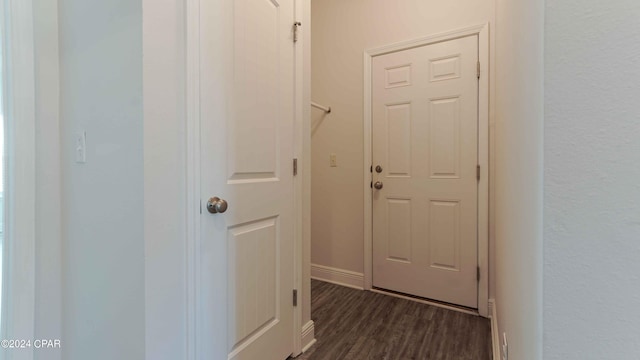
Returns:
point(332, 160)
point(81, 148)
point(505, 347)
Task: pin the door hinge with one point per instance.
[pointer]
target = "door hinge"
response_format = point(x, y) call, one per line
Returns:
point(296, 25)
point(478, 273)
point(478, 70)
point(295, 167)
point(478, 172)
point(295, 297)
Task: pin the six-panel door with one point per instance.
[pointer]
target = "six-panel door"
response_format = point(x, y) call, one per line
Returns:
point(425, 137)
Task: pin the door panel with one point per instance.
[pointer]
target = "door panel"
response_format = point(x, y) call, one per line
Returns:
point(398, 76)
point(445, 68)
point(254, 246)
point(399, 139)
point(444, 235)
point(254, 150)
point(444, 138)
point(247, 123)
point(399, 219)
point(425, 138)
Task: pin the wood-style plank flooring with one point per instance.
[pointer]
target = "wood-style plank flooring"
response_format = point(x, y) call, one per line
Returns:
point(353, 324)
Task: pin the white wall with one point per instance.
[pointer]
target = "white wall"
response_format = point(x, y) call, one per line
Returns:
point(592, 172)
point(124, 213)
point(48, 297)
point(165, 199)
point(103, 245)
point(341, 32)
point(519, 141)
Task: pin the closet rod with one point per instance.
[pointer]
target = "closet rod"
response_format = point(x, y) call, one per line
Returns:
point(323, 108)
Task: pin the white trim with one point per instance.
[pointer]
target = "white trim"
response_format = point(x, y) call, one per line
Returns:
point(308, 335)
point(495, 333)
point(368, 163)
point(19, 107)
point(304, 164)
point(298, 180)
point(483, 161)
point(491, 304)
point(425, 301)
point(482, 31)
point(337, 276)
point(192, 99)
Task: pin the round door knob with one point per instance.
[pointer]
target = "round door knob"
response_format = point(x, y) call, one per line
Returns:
point(216, 205)
point(378, 169)
point(378, 185)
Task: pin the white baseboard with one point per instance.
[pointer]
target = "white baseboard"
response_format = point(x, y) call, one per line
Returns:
point(308, 335)
point(492, 305)
point(495, 333)
point(338, 276)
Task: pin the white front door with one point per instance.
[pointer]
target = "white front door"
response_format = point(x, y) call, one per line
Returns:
point(246, 276)
point(425, 140)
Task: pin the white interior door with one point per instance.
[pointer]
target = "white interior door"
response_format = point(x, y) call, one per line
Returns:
point(246, 275)
point(425, 139)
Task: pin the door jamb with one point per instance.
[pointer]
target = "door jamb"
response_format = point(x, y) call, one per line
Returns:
point(483, 151)
point(19, 106)
point(302, 141)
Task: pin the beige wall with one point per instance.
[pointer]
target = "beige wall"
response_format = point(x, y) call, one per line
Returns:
point(341, 31)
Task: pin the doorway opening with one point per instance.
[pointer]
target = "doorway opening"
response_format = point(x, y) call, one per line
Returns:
point(421, 136)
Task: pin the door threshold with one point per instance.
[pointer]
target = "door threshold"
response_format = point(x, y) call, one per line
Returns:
point(440, 304)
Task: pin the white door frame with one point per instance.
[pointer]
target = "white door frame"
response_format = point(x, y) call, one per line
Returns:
point(192, 101)
point(18, 307)
point(483, 151)
point(302, 152)
point(193, 178)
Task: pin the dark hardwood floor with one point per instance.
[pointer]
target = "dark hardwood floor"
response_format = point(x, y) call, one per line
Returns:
point(354, 324)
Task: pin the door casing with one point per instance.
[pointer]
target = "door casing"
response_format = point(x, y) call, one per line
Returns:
point(20, 201)
point(483, 151)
